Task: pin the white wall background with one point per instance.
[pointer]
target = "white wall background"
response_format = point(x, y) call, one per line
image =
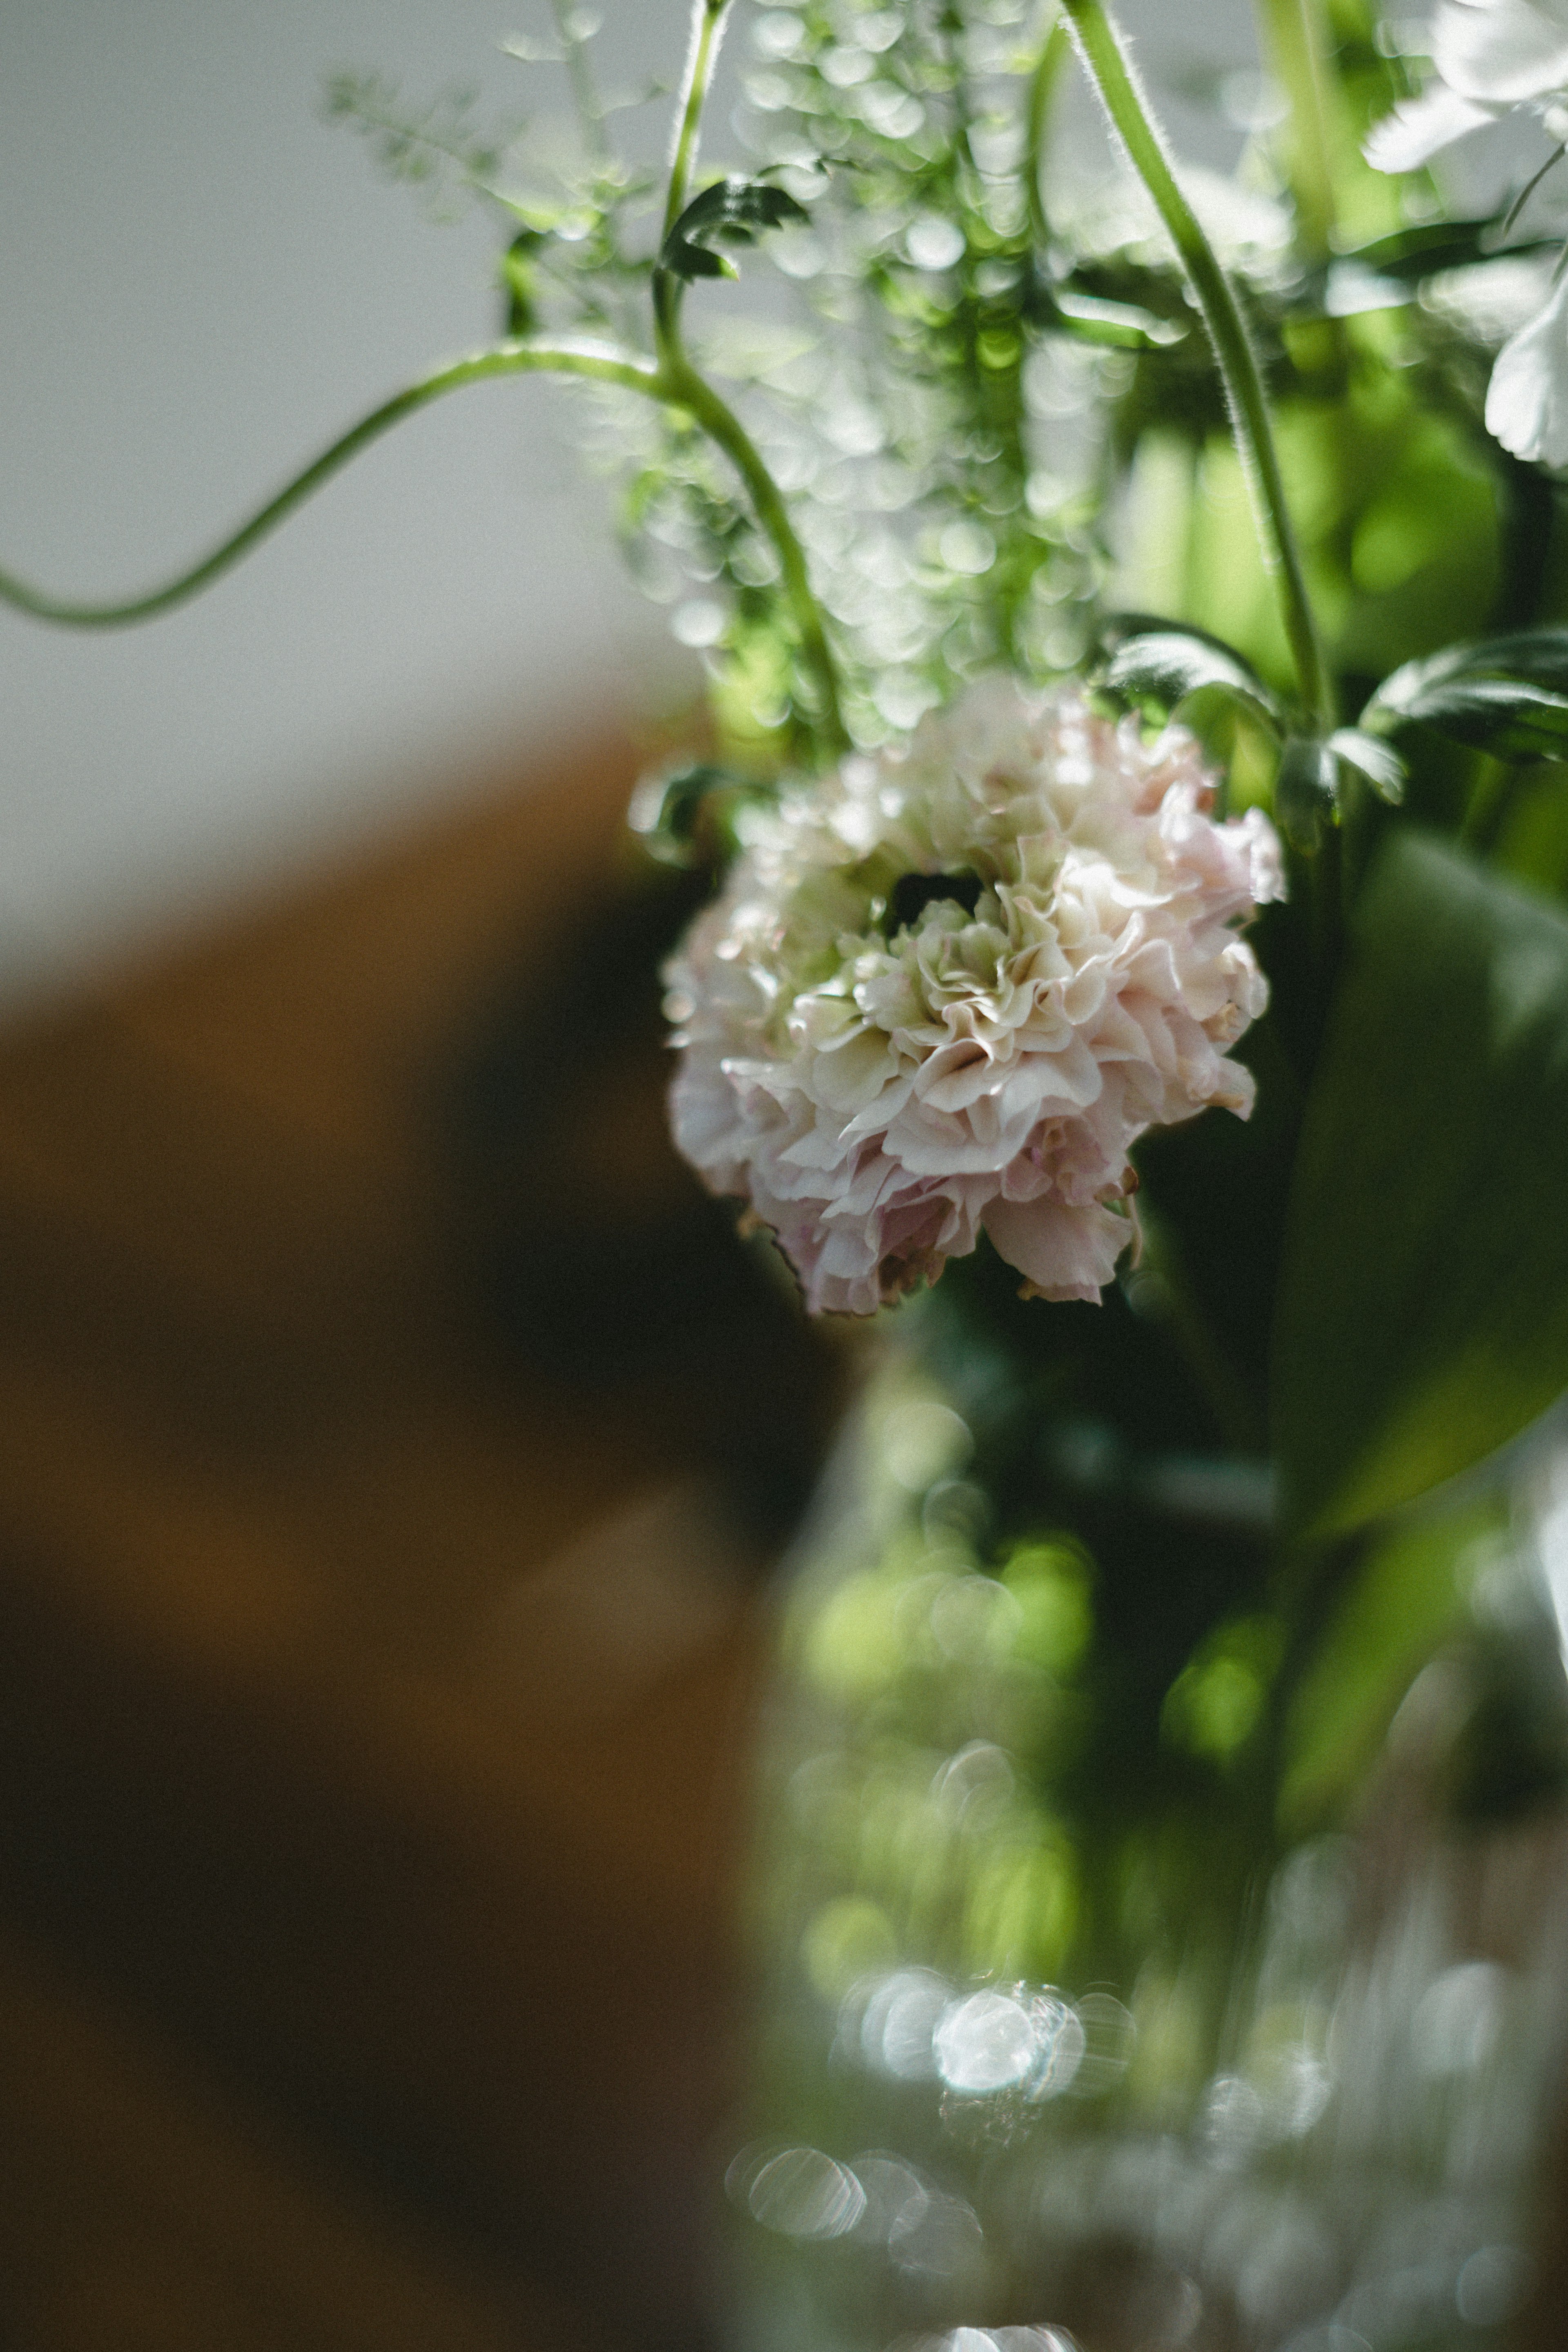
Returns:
point(200, 285)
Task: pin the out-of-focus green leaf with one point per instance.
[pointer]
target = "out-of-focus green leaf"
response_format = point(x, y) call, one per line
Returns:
point(1421, 250)
point(1507, 696)
point(1407, 1591)
point(520, 281)
point(687, 815)
point(1423, 1312)
point(1093, 319)
point(733, 212)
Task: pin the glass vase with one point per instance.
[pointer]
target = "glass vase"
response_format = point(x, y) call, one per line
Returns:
point(1167, 1939)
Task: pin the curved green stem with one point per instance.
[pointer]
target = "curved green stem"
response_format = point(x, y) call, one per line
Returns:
point(1109, 69)
point(674, 380)
point(688, 390)
point(600, 361)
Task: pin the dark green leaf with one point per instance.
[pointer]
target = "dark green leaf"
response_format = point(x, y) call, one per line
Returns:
point(687, 815)
point(1507, 696)
point(733, 212)
point(520, 282)
point(667, 810)
point(1163, 666)
point(1423, 1312)
point(1422, 251)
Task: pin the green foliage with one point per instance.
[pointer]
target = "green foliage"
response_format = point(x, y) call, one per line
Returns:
point(1507, 696)
point(730, 212)
point(1162, 668)
point(687, 815)
point(440, 149)
point(1423, 1316)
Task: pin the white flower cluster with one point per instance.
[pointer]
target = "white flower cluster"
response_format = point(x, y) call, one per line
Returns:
point(1494, 58)
point(950, 985)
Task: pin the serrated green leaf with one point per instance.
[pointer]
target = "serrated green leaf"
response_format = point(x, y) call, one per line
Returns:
point(1423, 1311)
point(733, 211)
point(1507, 696)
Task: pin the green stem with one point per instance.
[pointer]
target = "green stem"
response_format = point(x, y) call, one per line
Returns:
point(674, 382)
point(601, 362)
point(688, 390)
point(1292, 40)
point(707, 21)
point(1109, 69)
point(1054, 50)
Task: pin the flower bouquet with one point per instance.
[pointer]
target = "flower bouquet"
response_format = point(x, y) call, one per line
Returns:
point(1133, 799)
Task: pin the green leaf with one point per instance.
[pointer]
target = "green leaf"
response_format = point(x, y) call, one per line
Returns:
point(1163, 666)
point(687, 815)
point(1378, 762)
point(1423, 1311)
point(520, 282)
point(1093, 319)
point(1507, 696)
point(1421, 250)
point(734, 212)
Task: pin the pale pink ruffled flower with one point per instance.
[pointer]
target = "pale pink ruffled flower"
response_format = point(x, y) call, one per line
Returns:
point(882, 1067)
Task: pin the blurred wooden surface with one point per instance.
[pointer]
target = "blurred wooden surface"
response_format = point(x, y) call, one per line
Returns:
point(372, 1709)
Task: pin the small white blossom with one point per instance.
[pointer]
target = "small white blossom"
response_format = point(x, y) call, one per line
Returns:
point(949, 986)
point(1495, 58)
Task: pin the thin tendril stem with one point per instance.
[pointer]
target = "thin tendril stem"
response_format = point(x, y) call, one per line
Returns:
point(1109, 69)
point(674, 382)
point(599, 362)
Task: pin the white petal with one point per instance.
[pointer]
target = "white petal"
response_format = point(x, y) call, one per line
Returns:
point(1419, 128)
point(1527, 400)
point(1500, 52)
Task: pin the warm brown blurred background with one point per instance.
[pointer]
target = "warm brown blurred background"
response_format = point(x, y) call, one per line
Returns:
point(379, 1593)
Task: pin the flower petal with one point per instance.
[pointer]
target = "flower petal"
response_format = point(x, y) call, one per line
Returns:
point(1527, 400)
point(1420, 127)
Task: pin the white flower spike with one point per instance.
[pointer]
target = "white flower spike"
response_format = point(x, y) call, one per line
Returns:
point(949, 986)
point(1495, 58)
